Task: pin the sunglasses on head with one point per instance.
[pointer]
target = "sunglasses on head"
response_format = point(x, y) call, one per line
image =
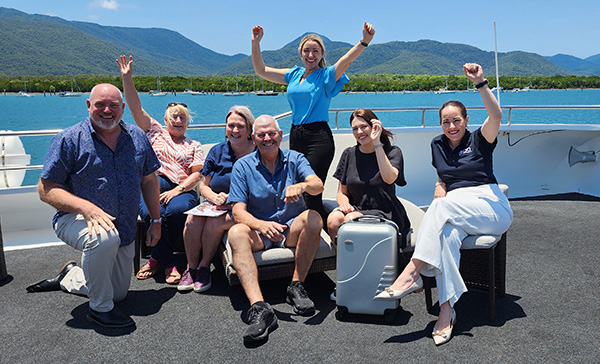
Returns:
point(176, 103)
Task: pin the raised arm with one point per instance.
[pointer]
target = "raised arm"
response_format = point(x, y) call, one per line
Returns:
point(140, 116)
point(343, 63)
point(388, 172)
point(276, 75)
point(491, 125)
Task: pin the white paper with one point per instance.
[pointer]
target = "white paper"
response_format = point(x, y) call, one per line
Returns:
point(206, 209)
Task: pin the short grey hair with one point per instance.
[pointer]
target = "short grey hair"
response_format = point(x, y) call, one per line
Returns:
point(265, 119)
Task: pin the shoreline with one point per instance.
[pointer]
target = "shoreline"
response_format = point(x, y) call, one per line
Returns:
point(212, 93)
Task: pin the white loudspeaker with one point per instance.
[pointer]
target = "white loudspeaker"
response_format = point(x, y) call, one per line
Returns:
point(576, 156)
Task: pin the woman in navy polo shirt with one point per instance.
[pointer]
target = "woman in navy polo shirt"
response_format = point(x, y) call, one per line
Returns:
point(310, 90)
point(202, 234)
point(467, 201)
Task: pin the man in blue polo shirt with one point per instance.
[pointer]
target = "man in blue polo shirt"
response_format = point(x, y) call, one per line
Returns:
point(92, 175)
point(266, 192)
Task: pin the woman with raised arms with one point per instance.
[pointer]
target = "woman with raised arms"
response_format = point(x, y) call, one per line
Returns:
point(309, 92)
point(467, 201)
point(181, 160)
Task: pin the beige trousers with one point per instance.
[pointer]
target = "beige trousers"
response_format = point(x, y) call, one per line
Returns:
point(105, 273)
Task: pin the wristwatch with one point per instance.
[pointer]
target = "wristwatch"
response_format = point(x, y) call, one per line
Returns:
point(156, 221)
point(181, 187)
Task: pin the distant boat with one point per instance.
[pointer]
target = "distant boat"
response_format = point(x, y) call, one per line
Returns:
point(267, 93)
point(24, 92)
point(157, 92)
point(189, 91)
point(72, 93)
point(233, 93)
point(444, 90)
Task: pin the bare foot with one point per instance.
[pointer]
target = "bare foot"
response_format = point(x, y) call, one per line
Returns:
point(408, 276)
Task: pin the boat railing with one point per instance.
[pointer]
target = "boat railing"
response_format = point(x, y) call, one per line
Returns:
point(422, 109)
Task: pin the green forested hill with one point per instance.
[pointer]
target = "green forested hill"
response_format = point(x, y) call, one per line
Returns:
point(156, 51)
point(40, 45)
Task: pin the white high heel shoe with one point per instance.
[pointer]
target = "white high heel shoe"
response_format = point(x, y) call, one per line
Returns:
point(391, 294)
point(442, 337)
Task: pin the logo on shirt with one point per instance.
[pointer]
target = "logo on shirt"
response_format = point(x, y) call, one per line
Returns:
point(465, 151)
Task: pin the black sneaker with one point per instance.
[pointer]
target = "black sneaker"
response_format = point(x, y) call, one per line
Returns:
point(261, 321)
point(297, 297)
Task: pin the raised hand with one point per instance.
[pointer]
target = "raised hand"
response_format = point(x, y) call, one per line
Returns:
point(257, 33)
point(125, 66)
point(474, 72)
point(368, 32)
point(376, 130)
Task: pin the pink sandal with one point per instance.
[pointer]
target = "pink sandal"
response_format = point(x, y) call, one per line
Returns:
point(148, 269)
point(172, 276)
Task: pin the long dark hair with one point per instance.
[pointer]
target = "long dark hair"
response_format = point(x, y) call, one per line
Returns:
point(368, 116)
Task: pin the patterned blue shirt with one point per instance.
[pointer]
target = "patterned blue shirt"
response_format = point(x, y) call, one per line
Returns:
point(86, 167)
point(253, 184)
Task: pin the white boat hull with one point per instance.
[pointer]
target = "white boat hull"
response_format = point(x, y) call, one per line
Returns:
point(531, 159)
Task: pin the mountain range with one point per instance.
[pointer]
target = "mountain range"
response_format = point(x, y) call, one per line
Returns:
point(33, 44)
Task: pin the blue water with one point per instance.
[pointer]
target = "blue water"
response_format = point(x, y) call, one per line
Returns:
point(53, 112)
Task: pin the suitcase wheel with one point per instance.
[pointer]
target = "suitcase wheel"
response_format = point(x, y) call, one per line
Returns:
point(341, 313)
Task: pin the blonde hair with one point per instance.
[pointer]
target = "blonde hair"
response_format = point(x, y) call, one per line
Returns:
point(314, 38)
point(178, 109)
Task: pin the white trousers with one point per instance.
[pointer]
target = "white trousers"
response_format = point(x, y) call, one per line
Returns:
point(464, 211)
point(105, 273)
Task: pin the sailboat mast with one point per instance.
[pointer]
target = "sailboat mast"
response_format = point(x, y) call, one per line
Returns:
point(496, 55)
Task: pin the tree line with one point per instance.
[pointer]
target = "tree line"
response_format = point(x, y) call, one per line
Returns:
point(245, 83)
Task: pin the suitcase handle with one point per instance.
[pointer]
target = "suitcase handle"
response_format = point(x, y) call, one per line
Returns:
point(369, 217)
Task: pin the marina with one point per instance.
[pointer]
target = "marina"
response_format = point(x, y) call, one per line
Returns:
point(546, 154)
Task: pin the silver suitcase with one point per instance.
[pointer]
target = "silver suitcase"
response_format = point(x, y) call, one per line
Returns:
point(367, 263)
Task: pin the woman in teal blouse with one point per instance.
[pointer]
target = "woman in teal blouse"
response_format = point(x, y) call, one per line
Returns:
point(310, 90)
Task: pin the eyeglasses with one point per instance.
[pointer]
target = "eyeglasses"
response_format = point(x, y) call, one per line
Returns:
point(176, 103)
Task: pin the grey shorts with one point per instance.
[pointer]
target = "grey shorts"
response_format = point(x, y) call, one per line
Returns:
point(274, 244)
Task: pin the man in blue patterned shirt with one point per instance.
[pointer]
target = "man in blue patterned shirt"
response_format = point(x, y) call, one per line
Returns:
point(92, 175)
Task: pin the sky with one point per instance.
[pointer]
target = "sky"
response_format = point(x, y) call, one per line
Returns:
point(546, 27)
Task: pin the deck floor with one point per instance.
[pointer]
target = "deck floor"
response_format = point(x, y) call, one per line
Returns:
point(549, 314)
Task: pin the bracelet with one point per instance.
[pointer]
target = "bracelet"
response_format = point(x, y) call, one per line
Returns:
point(157, 221)
point(182, 187)
point(378, 146)
point(364, 44)
point(481, 84)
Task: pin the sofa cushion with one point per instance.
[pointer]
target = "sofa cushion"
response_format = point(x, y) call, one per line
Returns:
point(284, 255)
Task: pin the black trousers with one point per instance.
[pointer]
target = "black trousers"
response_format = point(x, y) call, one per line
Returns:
point(315, 141)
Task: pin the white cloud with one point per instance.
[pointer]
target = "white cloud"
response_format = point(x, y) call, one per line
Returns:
point(106, 4)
